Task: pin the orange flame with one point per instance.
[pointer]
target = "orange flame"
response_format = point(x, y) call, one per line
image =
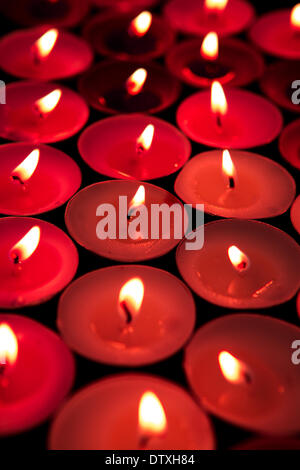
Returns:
point(138, 199)
point(141, 24)
point(218, 5)
point(49, 102)
point(45, 44)
point(238, 259)
point(210, 46)
point(152, 416)
point(232, 368)
point(144, 141)
point(218, 99)
point(25, 170)
point(136, 81)
point(131, 298)
point(227, 164)
point(295, 16)
point(25, 247)
point(8, 345)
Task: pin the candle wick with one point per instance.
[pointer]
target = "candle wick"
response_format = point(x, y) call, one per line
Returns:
point(144, 441)
point(219, 120)
point(247, 377)
point(19, 180)
point(127, 312)
point(231, 182)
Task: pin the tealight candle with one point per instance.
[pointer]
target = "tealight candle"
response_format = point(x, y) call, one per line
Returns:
point(200, 62)
point(295, 214)
point(37, 261)
point(125, 5)
point(278, 33)
point(243, 264)
point(277, 84)
point(44, 54)
point(125, 37)
point(289, 143)
point(124, 87)
point(199, 17)
point(140, 412)
point(134, 146)
point(36, 373)
point(123, 235)
point(65, 13)
point(41, 112)
point(240, 367)
point(34, 180)
point(234, 119)
point(141, 315)
point(236, 184)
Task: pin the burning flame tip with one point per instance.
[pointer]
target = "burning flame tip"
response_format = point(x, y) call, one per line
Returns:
point(218, 5)
point(210, 46)
point(238, 258)
point(295, 16)
point(141, 24)
point(136, 81)
point(152, 417)
point(49, 102)
point(25, 170)
point(8, 345)
point(218, 98)
point(45, 44)
point(25, 247)
point(144, 141)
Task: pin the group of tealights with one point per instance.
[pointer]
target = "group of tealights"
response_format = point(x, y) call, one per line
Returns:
point(238, 366)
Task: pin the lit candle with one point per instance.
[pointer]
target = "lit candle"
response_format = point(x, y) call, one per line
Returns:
point(36, 373)
point(240, 367)
point(44, 54)
point(34, 180)
point(289, 143)
point(124, 87)
point(140, 412)
point(249, 275)
point(295, 214)
point(41, 112)
point(37, 261)
point(134, 146)
point(232, 119)
point(236, 184)
point(139, 316)
point(132, 231)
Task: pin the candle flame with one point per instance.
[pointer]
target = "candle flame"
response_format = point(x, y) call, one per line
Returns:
point(295, 16)
point(49, 102)
point(138, 199)
point(218, 5)
point(144, 141)
point(141, 24)
point(210, 46)
point(232, 368)
point(25, 170)
point(238, 259)
point(227, 164)
point(131, 298)
point(45, 44)
point(136, 81)
point(152, 416)
point(8, 346)
point(218, 99)
point(25, 247)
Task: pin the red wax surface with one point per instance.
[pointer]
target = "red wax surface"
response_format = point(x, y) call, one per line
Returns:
point(251, 120)
point(125, 5)
point(40, 379)
point(109, 147)
point(289, 143)
point(19, 121)
point(70, 55)
point(274, 34)
point(191, 17)
point(295, 214)
point(56, 178)
point(48, 270)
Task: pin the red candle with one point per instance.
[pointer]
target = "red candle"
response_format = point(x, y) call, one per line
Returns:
point(234, 119)
point(289, 143)
point(37, 261)
point(295, 214)
point(41, 112)
point(36, 373)
point(34, 179)
point(125, 5)
point(134, 146)
point(44, 54)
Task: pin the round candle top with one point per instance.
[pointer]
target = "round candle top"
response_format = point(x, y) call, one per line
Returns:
point(132, 411)
point(279, 84)
point(37, 372)
point(124, 87)
point(44, 54)
point(139, 316)
point(236, 184)
point(125, 5)
point(278, 33)
point(198, 17)
point(243, 264)
point(295, 214)
point(34, 180)
point(240, 367)
point(37, 260)
point(200, 62)
point(41, 112)
point(126, 37)
point(289, 143)
point(57, 13)
point(120, 220)
point(134, 146)
point(236, 119)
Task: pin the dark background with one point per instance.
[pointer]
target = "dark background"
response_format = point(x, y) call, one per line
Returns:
point(88, 371)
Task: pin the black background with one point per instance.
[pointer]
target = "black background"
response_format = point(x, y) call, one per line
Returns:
point(88, 371)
